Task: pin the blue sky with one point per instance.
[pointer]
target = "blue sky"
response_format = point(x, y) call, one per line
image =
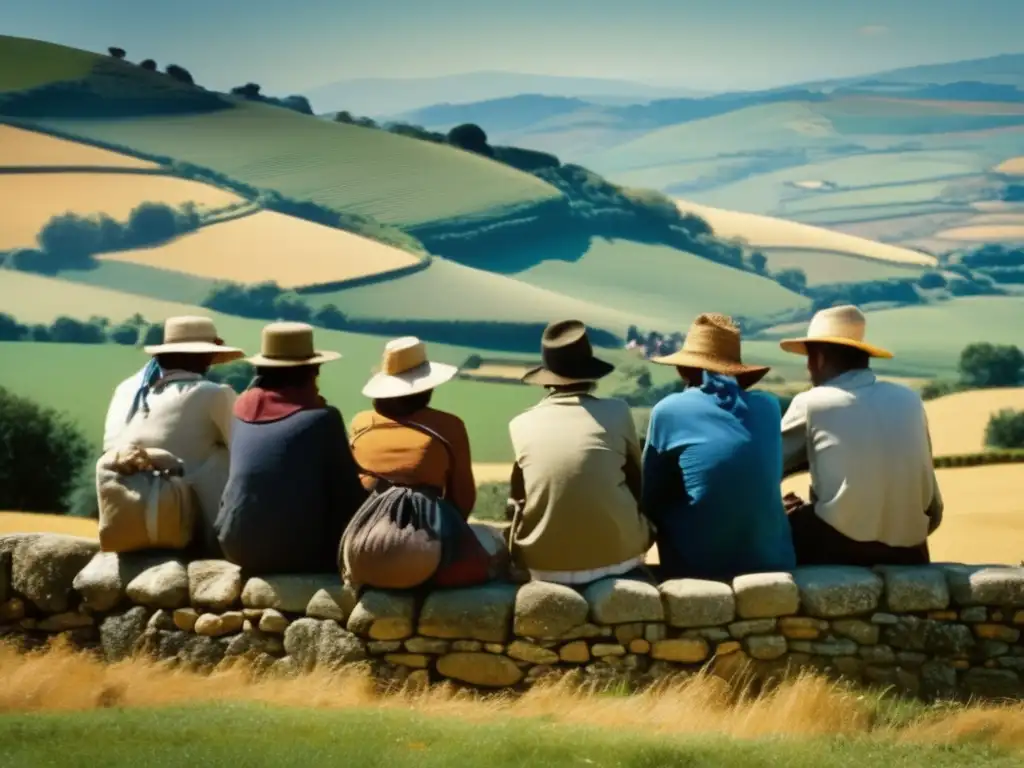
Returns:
point(714, 44)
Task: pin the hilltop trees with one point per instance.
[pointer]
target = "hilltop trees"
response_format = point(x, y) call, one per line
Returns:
point(148, 64)
point(180, 74)
point(117, 53)
point(470, 137)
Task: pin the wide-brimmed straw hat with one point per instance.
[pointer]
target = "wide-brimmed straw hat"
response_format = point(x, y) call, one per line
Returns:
point(406, 370)
point(193, 335)
point(844, 325)
point(290, 345)
point(713, 344)
point(567, 357)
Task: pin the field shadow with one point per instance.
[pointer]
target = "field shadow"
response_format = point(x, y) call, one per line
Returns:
point(515, 255)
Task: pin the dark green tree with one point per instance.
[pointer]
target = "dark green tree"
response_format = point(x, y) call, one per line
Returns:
point(1005, 429)
point(988, 365)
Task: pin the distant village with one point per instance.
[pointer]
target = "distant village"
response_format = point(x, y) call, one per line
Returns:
point(653, 343)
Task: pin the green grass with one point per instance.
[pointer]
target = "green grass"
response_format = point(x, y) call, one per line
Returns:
point(394, 179)
point(832, 267)
point(256, 736)
point(143, 281)
point(895, 194)
point(26, 63)
point(863, 116)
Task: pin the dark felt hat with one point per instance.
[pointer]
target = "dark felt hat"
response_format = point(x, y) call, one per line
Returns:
point(567, 357)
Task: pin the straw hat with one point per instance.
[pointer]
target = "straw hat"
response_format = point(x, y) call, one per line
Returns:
point(844, 325)
point(713, 344)
point(405, 370)
point(193, 335)
point(289, 345)
point(567, 357)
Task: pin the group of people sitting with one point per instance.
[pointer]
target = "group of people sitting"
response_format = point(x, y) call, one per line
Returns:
point(283, 487)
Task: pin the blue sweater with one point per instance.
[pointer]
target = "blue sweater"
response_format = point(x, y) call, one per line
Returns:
point(711, 482)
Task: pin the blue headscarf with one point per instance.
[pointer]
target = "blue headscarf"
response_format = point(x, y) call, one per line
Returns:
point(151, 374)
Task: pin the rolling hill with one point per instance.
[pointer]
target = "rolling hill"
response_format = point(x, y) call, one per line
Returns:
point(957, 422)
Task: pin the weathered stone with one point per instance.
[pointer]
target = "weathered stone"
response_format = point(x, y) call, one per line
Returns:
point(273, 621)
point(914, 634)
point(5, 569)
point(622, 601)
point(162, 620)
point(603, 650)
point(639, 646)
point(255, 641)
point(960, 664)
point(44, 565)
point(478, 613)
point(729, 646)
point(63, 622)
point(583, 632)
point(548, 611)
point(997, 632)
point(426, 645)
point(523, 651)
point(332, 602)
point(825, 648)
point(203, 652)
point(974, 615)
point(938, 680)
point(100, 583)
point(414, 660)
point(802, 627)
point(943, 615)
point(289, 593)
point(253, 614)
point(214, 584)
point(711, 634)
point(383, 615)
point(494, 647)
point(12, 610)
point(1018, 617)
point(120, 632)
point(859, 631)
point(687, 651)
point(992, 648)
point(482, 669)
point(378, 647)
point(884, 619)
point(985, 585)
point(337, 647)
point(997, 617)
point(576, 652)
point(627, 633)
point(741, 629)
point(828, 591)
point(1016, 663)
point(300, 641)
point(765, 595)
point(992, 683)
point(766, 647)
point(160, 586)
point(698, 603)
point(467, 646)
point(213, 625)
point(877, 654)
point(185, 619)
point(849, 667)
point(911, 658)
point(655, 632)
point(910, 589)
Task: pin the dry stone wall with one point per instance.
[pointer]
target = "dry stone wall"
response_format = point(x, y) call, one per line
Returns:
point(938, 631)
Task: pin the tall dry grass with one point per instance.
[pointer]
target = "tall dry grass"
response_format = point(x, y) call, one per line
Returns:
point(60, 679)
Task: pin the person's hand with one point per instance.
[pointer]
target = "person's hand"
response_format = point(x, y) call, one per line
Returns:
point(792, 502)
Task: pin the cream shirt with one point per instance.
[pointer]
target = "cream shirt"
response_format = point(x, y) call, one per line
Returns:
point(869, 452)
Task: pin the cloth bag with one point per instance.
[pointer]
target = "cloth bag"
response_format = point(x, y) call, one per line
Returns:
point(144, 500)
point(403, 537)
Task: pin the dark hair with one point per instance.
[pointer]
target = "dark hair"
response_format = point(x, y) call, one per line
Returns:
point(401, 407)
point(185, 361)
point(272, 377)
point(840, 356)
point(580, 386)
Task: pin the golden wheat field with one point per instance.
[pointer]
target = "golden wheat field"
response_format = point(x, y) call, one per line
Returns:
point(1012, 167)
point(768, 232)
point(957, 422)
point(29, 522)
point(22, 149)
point(32, 199)
point(268, 246)
point(984, 233)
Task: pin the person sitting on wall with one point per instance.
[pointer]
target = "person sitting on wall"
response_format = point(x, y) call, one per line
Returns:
point(711, 463)
point(170, 405)
point(575, 484)
point(293, 485)
point(414, 530)
point(874, 494)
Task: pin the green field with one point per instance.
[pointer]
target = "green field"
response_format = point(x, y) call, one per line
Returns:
point(358, 170)
point(28, 63)
point(823, 267)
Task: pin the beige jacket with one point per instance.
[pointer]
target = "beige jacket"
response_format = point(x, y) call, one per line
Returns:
point(867, 446)
point(579, 513)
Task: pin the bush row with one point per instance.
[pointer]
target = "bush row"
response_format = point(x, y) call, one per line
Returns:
point(97, 330)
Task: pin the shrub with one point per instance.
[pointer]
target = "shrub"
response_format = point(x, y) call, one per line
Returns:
point(794, 279)
point(67, 330)
point(11, 329)
point(154, 335)
point(71, 240)
point(42, 452)
point(758, 261)
point(988, 365)
point(329, 316)
point(125, 333)
point(148, 64)
point(151, 223)
point(931, 280)
point(470, 137)
point(237, 374)
point(939, 388)
point(180, 74)
point(117, 53)
point(1005, 429)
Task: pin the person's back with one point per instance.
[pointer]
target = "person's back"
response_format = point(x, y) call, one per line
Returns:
point(712, 465)
point(579, 514)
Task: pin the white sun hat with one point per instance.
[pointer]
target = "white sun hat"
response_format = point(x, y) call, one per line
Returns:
point(193, 335)
point(406, 370)
point(844, 325)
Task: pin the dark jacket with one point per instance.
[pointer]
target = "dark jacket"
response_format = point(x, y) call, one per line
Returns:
point(291, 491)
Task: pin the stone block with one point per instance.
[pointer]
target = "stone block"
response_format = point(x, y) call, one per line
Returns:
point(802, 627)
point(120, 632)
point(992, 683)
point(877, 654)
point(336, 647)
point(985, 585)
point(627, 633)
point(685, 651)
point(623, 601)
point(548, 611)
point(426, 645)
point(575, 652)
point(911, 658)
point(160, 586)
point(884, 619)
point(765, 595)
point(467, 645)
point(711, 634)
point(729, 646)
point(214, 584)
point(583, 632)
point(273, 622)
point(604, 650)
point(478, 613)
point(332, 602)
point(289, 593)
point(481, 669)
point(185, 619)
point(523, 651)
point(639, 646)
point(12, 610)
point(414, 660)
point(910, 589)
point(378, 647)
point(997, 632)
point(943, 638)
point(162, 620)
point(974, 615)
point(655, 632)
point(741, 629)
point(862, 632)
point(65, 622)
point(698, 603)
point(100, 583)
point(213, 625)
point(766, 647)
point(829, 592)
point(43, 567)
point(938, 680)
point(381, 615)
